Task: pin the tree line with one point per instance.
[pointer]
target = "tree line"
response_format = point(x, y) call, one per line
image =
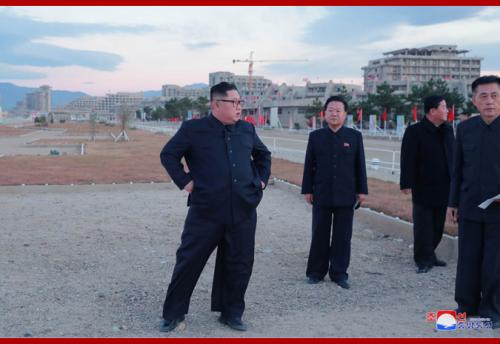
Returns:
point(176, 108)
point(382, 100)
point(396, 104)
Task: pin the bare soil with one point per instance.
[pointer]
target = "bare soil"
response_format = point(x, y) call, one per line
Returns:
point(138, 161)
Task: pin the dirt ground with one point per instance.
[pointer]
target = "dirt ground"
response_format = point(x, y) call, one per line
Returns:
point(138, 161)
point(9, 131)
point(96, 260)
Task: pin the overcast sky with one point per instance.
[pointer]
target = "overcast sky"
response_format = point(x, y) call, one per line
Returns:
point(110, 49)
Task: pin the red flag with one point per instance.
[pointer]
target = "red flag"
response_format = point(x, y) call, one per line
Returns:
point(321, 115)
point(384, 115)
point(360, 115)
point(414, 110)
point(250, 119)
point(451, 114)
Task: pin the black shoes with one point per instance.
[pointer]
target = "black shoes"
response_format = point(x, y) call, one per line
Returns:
point(423, 269)
point(343, 284)
point(233, 322)
point(313, 280)
point(169, 325)
point(439, 262)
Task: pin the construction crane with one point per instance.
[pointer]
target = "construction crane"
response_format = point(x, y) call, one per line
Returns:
point(251, 61)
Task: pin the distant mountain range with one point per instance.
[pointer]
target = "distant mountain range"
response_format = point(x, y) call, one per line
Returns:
point(10, 94)
point(197, 85)
point(151, 94)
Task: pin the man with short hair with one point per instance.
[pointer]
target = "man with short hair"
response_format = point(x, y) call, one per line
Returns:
point(229, 167)
point(476, 178)
point(334, 182)
point(426, 161)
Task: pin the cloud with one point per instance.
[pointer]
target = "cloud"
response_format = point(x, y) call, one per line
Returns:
point(350, 26)
point(200, 45)
point(22, 42)
point(10, 73)
point(114, 48)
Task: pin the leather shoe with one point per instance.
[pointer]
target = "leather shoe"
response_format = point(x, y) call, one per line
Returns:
point(423, 269)
point(439, 262)
point(343, 284)
point(234, 322)
point(169, 325)
point(313, 280)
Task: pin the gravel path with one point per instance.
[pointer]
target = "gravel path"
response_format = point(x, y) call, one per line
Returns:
point(95, 261)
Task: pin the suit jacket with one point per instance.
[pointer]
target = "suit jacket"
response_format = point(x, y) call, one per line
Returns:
point(226, 164)
point(476, 170)
point(334, 167)
point(426, 162)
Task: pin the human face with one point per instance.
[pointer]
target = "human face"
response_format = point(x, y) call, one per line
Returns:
point(487, 100)
point(439, 115)
point(227, 109)
point(335, 114)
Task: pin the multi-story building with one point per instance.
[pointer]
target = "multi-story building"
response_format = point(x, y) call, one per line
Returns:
point(292, 101)
point(170, 91)
point(253, 96)
point(404, 68)
point(108, 107)
point(40, 100)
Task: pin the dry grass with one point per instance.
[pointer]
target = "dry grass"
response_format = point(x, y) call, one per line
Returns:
point(138, 161)
point(105, 162)
point(9, 131)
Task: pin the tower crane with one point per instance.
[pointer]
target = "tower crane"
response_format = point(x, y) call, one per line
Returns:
point(251, 61)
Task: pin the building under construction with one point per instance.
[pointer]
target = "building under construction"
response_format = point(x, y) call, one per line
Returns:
point(404, 68)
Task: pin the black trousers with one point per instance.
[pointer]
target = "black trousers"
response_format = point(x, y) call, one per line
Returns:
point(477, 288)
point(233, 268)
point(330, 255)
point(428, 226)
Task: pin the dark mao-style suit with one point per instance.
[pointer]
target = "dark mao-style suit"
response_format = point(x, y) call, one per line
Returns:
point(476, 178)
point(334, 172)
point(227, 165)
point(426, 162)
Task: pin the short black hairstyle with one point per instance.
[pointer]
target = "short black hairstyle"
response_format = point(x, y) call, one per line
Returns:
point(221, 89)
point(336, 99)
point(432, 102)
point(486, 79)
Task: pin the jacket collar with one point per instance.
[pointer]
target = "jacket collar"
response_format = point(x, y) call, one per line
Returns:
point(493, 125)
point(339, 132)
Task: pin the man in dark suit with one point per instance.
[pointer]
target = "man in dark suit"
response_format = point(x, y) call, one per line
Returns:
point(476, 178)
point(334, 182)
point(426, 161)
point(229, 166)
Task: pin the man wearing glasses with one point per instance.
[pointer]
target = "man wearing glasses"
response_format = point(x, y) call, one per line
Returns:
point(229, 166)
point(475, 179)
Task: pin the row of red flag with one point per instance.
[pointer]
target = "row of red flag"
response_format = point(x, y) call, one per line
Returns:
point(383, 117)
point(261, 120)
